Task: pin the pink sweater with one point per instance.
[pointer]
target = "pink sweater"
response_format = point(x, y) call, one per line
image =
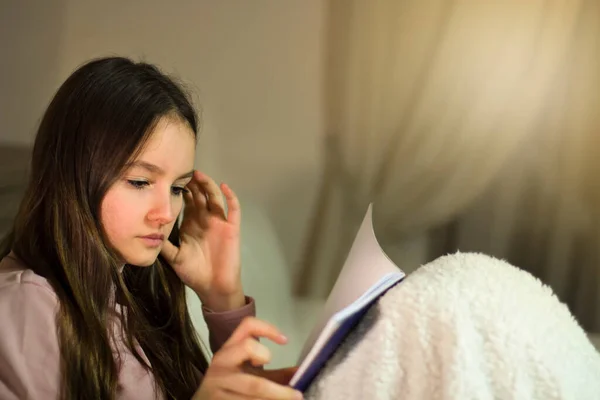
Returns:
point(29, 351)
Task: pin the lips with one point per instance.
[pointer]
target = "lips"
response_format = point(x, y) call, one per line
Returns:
point(156, 236)
point(154, 240)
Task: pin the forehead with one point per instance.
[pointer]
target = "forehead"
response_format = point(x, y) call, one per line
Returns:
point(171, 146)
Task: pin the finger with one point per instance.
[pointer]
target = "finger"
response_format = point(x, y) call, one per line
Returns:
point(229, 395)
point(281, 376)
point(247, 351)
point(234, 212)
point(169, 251)
point(253, 386)
point(216, 203)
point(194, 209)
point(189, 199)
point(198, 194)
point(253, 327)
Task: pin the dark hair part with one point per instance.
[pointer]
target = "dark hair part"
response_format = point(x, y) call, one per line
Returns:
point(100, 119)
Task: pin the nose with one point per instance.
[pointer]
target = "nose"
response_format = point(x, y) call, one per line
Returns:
point(163, 210)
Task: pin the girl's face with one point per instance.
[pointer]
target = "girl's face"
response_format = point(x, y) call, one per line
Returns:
point(140, 209)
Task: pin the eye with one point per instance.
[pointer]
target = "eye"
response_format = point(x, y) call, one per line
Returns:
point(138, 184)
point(178, 191)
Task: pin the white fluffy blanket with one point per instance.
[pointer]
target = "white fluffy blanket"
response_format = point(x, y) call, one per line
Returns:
point(465, 326)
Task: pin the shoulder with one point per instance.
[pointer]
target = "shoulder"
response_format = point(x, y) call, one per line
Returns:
point(29, 350)
point(22, 290)
point(14, 272)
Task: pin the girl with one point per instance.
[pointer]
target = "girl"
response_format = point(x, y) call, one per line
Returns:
point(93, 273)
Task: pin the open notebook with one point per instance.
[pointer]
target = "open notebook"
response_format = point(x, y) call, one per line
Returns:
point(366, 275)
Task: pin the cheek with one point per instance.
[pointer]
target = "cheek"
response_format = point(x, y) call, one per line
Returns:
point(176, 207)
point(118, 214)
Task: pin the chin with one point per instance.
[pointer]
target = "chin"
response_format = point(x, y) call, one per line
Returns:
point(140, 260)
point(146, 263)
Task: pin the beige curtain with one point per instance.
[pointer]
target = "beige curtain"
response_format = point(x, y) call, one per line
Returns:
point(542, 212)
point(427, 104)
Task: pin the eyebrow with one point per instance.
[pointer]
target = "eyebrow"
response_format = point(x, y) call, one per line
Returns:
point(155, 169)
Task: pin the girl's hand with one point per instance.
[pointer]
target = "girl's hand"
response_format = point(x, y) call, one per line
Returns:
point(208, 257)
point(228, 378)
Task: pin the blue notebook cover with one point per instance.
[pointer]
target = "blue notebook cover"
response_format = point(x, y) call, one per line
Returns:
point(366, 275)
point(344, 329)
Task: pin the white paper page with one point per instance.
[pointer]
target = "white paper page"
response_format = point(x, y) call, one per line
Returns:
point(365, 265)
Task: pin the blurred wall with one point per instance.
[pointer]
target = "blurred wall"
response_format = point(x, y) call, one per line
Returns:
point(31, 34)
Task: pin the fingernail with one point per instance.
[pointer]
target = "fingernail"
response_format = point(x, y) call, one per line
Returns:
point(283, 338)
point(299, 396)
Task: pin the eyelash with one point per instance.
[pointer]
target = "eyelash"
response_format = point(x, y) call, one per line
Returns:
point(178, 191)
point(139, 185)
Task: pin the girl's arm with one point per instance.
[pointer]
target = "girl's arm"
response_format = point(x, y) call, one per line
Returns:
point(222, 324)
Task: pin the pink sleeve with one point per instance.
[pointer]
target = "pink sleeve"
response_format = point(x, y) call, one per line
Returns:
point(221, 325)
point(29, 352)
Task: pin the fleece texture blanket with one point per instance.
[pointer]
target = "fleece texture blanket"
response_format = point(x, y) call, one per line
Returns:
point(465, 326)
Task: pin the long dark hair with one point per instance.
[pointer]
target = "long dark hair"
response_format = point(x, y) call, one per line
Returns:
point(99, 120)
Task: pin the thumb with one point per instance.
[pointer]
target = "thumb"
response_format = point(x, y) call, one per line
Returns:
point(169, 251)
